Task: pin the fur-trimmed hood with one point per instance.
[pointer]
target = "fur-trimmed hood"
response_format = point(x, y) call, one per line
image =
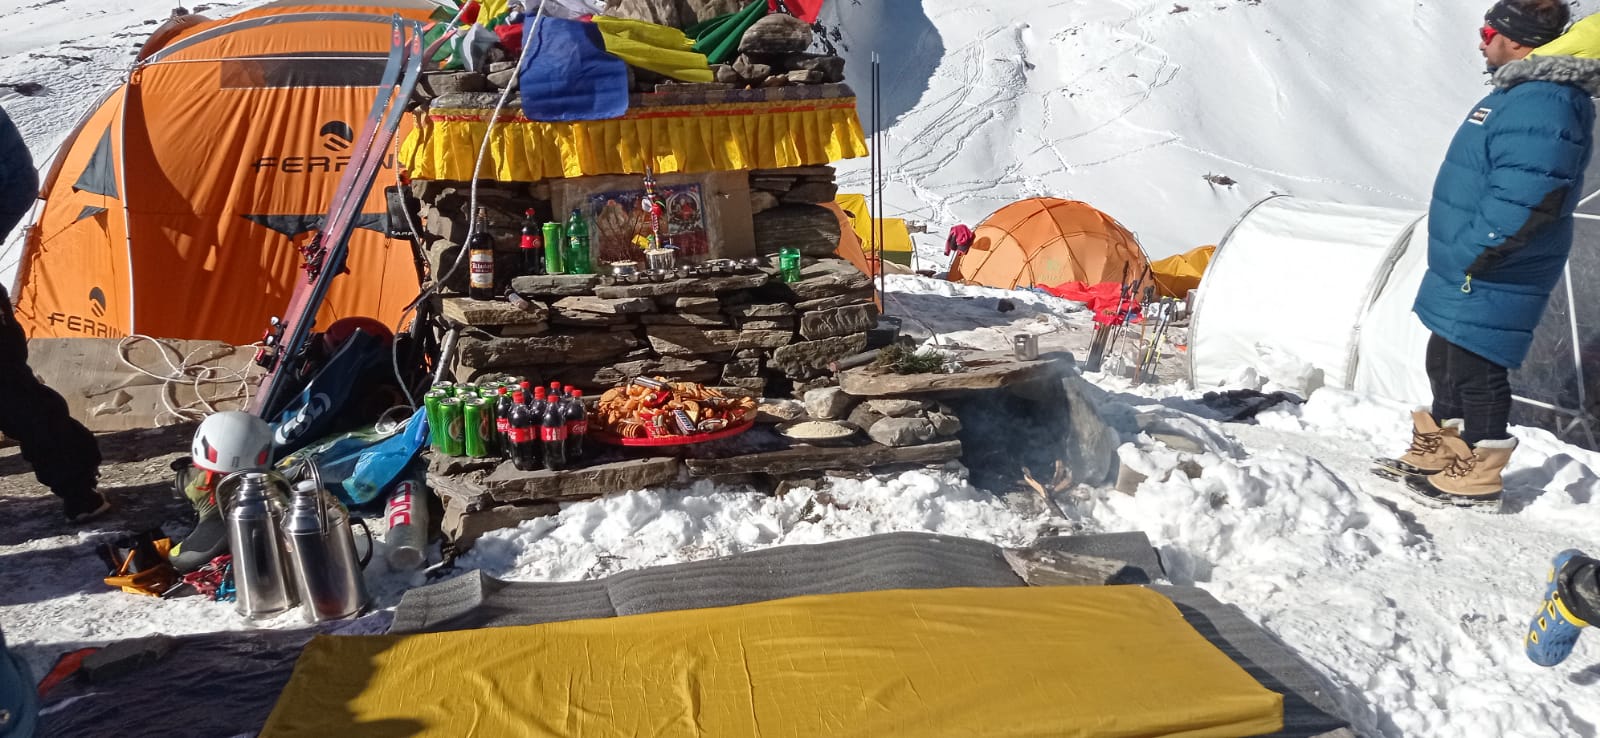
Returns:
point(1570, 70)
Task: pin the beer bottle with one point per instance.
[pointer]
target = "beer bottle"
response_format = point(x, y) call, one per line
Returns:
point(532, 245)
point(481, 255)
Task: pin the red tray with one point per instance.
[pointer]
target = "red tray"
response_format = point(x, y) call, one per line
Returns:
point(616, 440)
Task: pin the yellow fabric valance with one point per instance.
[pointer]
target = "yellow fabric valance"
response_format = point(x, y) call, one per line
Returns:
point(670, 139)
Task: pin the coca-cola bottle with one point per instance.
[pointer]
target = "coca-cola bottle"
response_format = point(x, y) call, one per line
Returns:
point(526, 452)
point(540, 403)
point(502, 422)
point(532, 244)
point(553, 431)
point(577, 424)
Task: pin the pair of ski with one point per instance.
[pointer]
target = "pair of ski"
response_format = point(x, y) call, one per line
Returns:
point(284, 353)
point(1414, 482)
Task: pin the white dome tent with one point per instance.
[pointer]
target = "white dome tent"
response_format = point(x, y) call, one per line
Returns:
point(1328, 287)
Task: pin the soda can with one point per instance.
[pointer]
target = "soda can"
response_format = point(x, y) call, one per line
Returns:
point(435, 425)
point(407, 513)
point(554, 236)
point(466, 390)
point(490, 390)
point(447, 386)
point(453, 442)
point(477, 426)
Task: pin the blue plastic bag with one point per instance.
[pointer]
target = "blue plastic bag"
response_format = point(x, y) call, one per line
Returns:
point(358, 465)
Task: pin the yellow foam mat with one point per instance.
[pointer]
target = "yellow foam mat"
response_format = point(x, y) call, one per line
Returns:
point(999, 662)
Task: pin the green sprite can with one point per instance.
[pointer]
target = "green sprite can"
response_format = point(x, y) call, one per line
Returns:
point(490, 390)
point(453, 442)
point(466, 390)
point(554, 236)
point(477, 426)
point(435, 425)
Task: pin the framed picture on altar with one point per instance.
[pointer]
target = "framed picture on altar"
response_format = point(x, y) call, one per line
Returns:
point(621, 225)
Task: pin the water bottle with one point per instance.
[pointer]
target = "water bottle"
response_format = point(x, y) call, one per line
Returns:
point(261, 574)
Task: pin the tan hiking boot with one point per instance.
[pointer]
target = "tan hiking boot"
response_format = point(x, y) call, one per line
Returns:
point(1474, 479)
point(1427, 454)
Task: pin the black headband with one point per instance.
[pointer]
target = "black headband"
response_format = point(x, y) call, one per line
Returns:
point(1514, 23)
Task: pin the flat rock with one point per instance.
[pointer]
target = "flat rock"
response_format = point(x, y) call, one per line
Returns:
point(508, 484)
point(752, 385)
point(858, 296)
point(690, 286)
point(902, 431)
point(684, 370)
point(742, 369)
point(828, 278)
point(805, 77)
point(864, 417)
point(760, 310)
point(761, 201)
point(691, 341)
point(604, 306)
point(555, 285)
point(523, 331)
point(983, 370)
point(481, 353)
point(784, 324)
point(806, 358)
point(802, 458)
point(839, 321)
point(828, 403)
point(945, 424)
point(690, 304)
point(893, 408)
point(812, 229)
point(701, 320)
point(467, 311)
point(778, 33)
point(831, 67)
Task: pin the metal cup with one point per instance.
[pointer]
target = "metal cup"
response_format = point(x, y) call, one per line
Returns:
point(660, 260)
point(1025, 346)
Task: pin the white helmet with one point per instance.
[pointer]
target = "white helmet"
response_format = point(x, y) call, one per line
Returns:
point(231, 441)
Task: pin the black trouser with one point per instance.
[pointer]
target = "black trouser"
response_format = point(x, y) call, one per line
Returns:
point(1469, 387)
point(63, 453)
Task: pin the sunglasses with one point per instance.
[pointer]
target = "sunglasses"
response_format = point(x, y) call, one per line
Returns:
point(1487, 33)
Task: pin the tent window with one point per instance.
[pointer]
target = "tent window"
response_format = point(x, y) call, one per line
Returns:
point(321, 70)
point(99, 176)
point(89, 211)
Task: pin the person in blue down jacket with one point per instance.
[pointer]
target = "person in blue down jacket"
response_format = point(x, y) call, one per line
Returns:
point(1499, 231)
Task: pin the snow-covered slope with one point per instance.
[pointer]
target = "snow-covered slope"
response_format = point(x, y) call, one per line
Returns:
point(1128, 104)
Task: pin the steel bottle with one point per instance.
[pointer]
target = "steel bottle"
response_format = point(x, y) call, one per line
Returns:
point(322, 553)
point(255, 507)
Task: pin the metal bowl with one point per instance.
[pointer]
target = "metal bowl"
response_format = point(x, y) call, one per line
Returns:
point(624, 268)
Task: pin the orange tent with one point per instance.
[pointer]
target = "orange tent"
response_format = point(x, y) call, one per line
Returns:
point(1049, 241)
point(176, 207)
point(1178, 274)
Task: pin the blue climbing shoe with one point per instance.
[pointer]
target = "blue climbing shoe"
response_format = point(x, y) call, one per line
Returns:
point(1554, 630)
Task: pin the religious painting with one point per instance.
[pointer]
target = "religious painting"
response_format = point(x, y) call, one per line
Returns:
point(622, 226)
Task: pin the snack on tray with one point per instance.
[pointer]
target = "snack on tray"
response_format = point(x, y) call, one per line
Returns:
point(654, 407)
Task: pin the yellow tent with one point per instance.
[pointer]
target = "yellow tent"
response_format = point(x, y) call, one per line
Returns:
point(896, 237)
point(1178, 274)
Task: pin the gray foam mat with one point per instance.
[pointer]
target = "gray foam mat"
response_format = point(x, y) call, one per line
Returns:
point(226, 683)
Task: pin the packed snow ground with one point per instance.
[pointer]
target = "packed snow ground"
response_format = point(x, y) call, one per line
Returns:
point(1415, 614)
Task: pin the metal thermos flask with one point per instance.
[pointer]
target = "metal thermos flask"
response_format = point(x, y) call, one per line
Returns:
point(322, 552)
point(261, 575)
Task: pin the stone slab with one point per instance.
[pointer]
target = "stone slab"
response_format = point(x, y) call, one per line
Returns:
point(467, 311)
point(604, 306)
point(491, 353)
point(508, 484)
point(801, 458)
point(862, 295)
point(556, 285)
point(810, 357)
point(838, 321)
point(983, 370)
point(690, 287)
point(701, 320)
